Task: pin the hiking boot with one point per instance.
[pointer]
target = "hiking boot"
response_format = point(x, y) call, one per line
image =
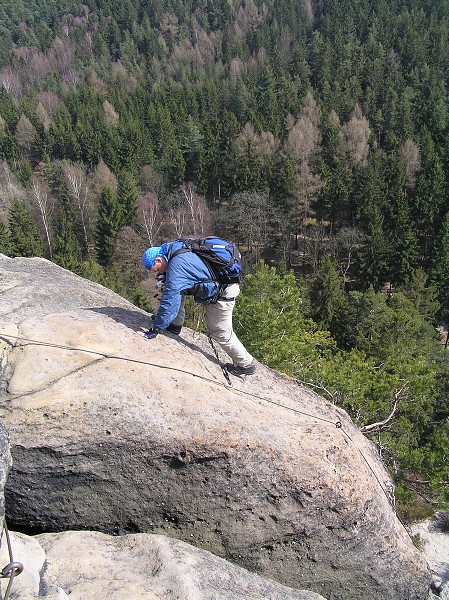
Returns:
point(176, 329)
point(237, 370)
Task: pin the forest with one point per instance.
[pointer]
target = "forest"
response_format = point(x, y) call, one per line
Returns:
point(314, 133)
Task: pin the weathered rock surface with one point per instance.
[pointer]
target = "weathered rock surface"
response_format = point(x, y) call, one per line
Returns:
point(116, 433)
point(91, 565)
point(5, 465)
point(434, 544)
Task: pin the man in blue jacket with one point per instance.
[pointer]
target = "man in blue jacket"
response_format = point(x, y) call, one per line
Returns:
point(186, 274)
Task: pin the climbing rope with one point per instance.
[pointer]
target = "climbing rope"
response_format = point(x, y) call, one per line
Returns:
point(337, 424)
point(13, 568)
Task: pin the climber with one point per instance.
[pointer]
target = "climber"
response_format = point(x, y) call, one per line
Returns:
point(186, 274)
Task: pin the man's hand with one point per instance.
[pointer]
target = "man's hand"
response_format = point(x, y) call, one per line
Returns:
point(149, 334)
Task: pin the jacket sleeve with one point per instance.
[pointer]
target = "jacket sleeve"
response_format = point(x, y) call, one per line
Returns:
point(179, 277)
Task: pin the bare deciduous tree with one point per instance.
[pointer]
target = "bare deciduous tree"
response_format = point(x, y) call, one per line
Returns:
point(150, 216)
point(237, 68)
point(43, 116)
point(356, 134)
point(410, 157)
point(304, 138)
point(10, 80)
point(304, 145)
point(62, 57)
point(98, 84)
point(315, 242)
point(264, 145)
point(200, 220)
point(109, 112)
point(50, 102)
point(150, 180)
point(177, 214)
point(249, 17)
point(10, 189)
point(44, 203)
point(253, 219)
point(34, 65)
point(102, 177)
point(78, 188)
point(343, 246)
point(25, 133)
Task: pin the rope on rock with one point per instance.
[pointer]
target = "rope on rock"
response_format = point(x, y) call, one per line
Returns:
point(337, 424)
point(13, 568)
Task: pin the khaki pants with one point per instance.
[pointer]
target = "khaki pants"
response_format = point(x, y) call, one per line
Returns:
point(219, 325)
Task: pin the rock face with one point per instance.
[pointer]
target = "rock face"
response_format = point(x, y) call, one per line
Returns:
point(84, 565)
point(5, 465)
point(116, 433)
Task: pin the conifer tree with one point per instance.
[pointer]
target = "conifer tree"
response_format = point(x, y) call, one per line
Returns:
point(23, 231)
point(66, 248)
point(372, 257)
point(403, 255)
point(439, 273)
point(127, 197)
point(6, 246)
point(327, 296)
point(108, 226)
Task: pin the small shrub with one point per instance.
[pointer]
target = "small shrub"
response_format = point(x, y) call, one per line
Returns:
point(418, 541)
point(410, 507)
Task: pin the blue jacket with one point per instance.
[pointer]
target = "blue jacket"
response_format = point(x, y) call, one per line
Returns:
point(183, 272)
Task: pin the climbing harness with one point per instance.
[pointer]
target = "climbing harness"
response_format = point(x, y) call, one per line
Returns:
point(13, 568)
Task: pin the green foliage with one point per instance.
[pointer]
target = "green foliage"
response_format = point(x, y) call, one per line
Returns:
point(439, 273)
point(422, 295)
point(6, 246)
point(389, 377)
point(110, 220)
point(23, 231)
point(270, 322)
point(327, 297)
point(66, 248)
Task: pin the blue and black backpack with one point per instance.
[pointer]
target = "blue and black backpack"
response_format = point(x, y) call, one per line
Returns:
point(221, 256)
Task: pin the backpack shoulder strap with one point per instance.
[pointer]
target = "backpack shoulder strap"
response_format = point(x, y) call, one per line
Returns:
point(179, 251)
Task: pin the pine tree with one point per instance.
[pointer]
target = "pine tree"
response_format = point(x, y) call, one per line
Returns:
point(108, 226)
point(23, 231)
point(127, 197)
point(66, 248)
point(327, 296)
point(373, 257)
point(6, 245)
point(439, 272)
point(403, 256)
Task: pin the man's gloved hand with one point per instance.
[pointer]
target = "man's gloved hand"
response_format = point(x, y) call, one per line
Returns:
point(149, 334)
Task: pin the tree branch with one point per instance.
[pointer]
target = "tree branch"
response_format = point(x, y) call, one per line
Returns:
point(380, 424)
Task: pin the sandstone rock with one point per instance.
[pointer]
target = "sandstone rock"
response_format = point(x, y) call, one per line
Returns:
point(116, 433)
point(434, 544)
point(91, 565)
point(5, 465)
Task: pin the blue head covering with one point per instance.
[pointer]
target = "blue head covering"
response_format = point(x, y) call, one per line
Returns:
point(149, 255)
